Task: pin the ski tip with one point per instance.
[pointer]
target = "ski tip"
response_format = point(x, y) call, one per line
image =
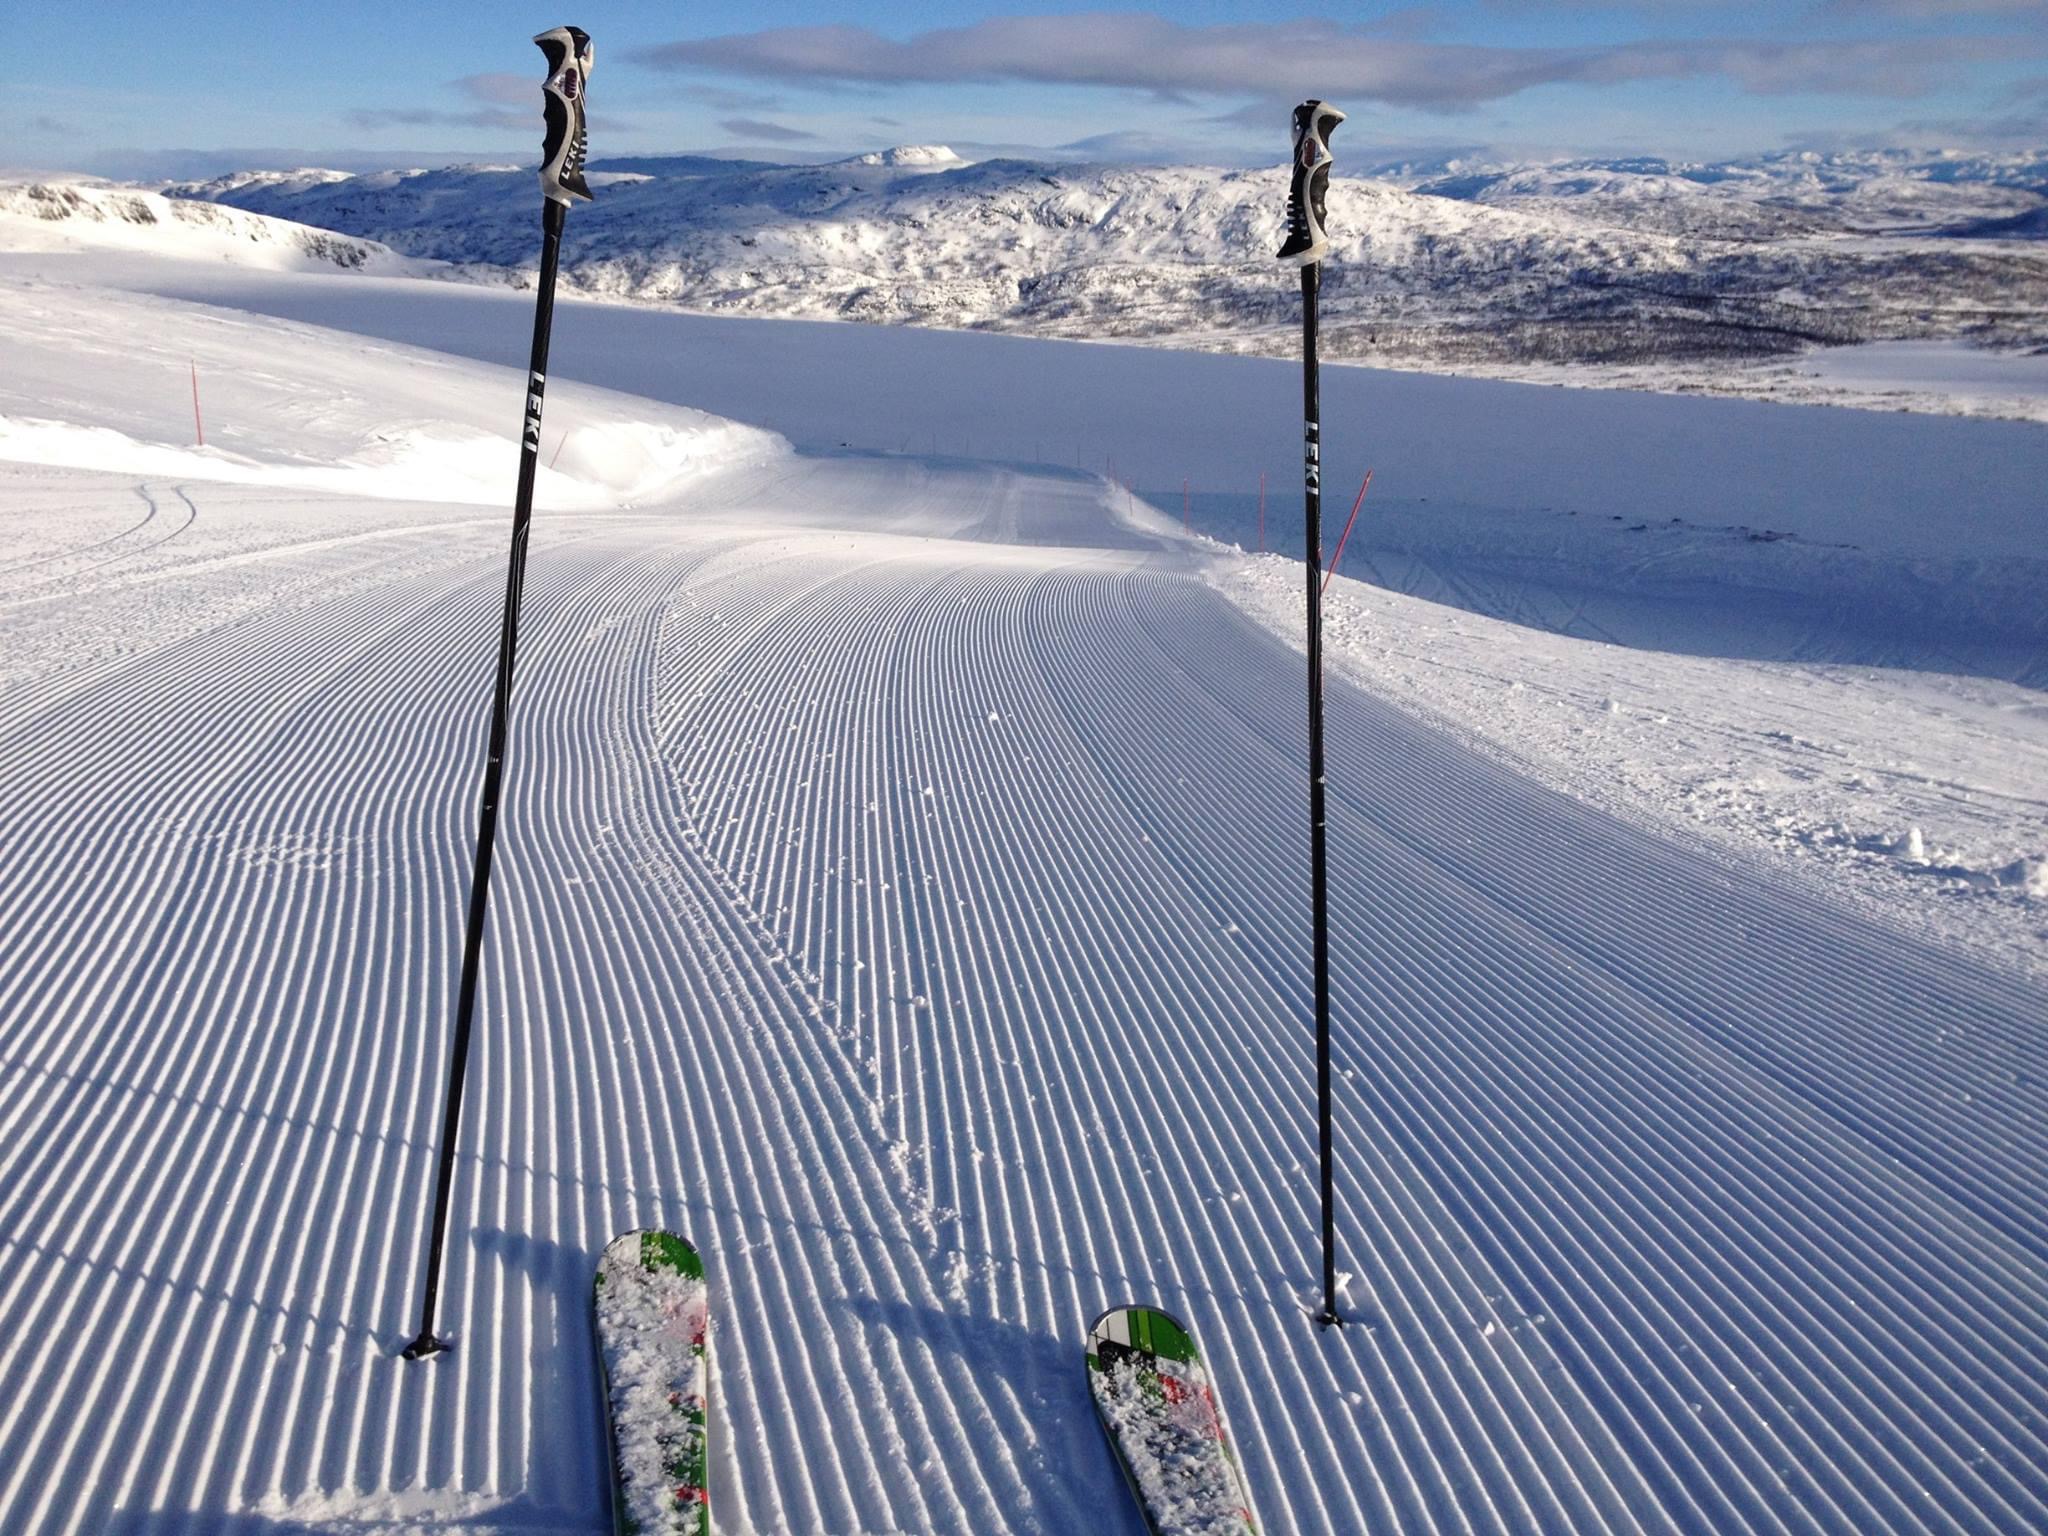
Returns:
point(1135, 1307)
point(651, 1248)
point(1152, 1330)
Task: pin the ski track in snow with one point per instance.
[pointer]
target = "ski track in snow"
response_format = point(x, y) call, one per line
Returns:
point(902, 893)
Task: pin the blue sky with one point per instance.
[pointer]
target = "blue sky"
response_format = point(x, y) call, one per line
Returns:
point(130, 87)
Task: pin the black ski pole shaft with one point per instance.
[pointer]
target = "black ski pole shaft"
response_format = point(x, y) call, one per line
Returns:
point(425, 1343)
point(1306, 245)
point(1319, 871)
point(569, 58)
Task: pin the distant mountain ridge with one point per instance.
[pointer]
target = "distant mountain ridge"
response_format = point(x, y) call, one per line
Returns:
point(1614, 262)
point(1872, 193)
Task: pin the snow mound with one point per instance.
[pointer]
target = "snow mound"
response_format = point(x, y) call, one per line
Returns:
point(936, 156)
point(2028, 876)
point(611, 464)
point(1892, 780)
point(295, 405)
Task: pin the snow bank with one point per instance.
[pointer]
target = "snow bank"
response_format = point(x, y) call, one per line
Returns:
point(106, 381)
point(1886, 482)
point(1920, 791)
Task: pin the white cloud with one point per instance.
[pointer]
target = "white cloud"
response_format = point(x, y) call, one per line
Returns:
point(1311, 57)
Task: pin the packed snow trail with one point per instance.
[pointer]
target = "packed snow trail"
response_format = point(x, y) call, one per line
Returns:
point(902, 892)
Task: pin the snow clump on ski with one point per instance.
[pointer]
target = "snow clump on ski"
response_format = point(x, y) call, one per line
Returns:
point(1157, 1407)
point(653, 1316)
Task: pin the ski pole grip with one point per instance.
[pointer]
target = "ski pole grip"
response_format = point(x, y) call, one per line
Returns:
point(561, 159)
point(1307, 242)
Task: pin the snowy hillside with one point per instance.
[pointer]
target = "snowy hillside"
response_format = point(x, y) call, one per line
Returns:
point(902, 891)
point(281, 406)
point(1626, 264)
point(70, 215)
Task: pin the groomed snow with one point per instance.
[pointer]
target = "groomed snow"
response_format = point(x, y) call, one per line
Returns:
point(901, 891)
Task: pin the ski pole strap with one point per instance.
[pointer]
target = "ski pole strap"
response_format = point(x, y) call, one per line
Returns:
point(561, 159)
point(1307, 243)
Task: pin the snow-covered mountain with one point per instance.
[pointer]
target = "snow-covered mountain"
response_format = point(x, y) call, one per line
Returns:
point(1873, 193)
point(1611, 262)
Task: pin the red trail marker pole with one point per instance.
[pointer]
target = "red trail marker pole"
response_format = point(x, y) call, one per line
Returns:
point(198, 426)
point(1347, 531)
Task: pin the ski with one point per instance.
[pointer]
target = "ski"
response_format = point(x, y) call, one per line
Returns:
point(652, 1316)
point(1153, 1396)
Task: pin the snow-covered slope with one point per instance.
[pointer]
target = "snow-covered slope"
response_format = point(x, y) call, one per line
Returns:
point(901, 890)
point(282, 405)
point(77, 215)
point(1630, 263)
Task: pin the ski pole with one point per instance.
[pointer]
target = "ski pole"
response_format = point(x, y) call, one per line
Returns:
point(561, 178)
point(1306, 246)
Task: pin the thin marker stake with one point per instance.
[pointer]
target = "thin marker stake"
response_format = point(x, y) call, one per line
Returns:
point(198, 426)
point(1349, 523)
point(561, 178)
